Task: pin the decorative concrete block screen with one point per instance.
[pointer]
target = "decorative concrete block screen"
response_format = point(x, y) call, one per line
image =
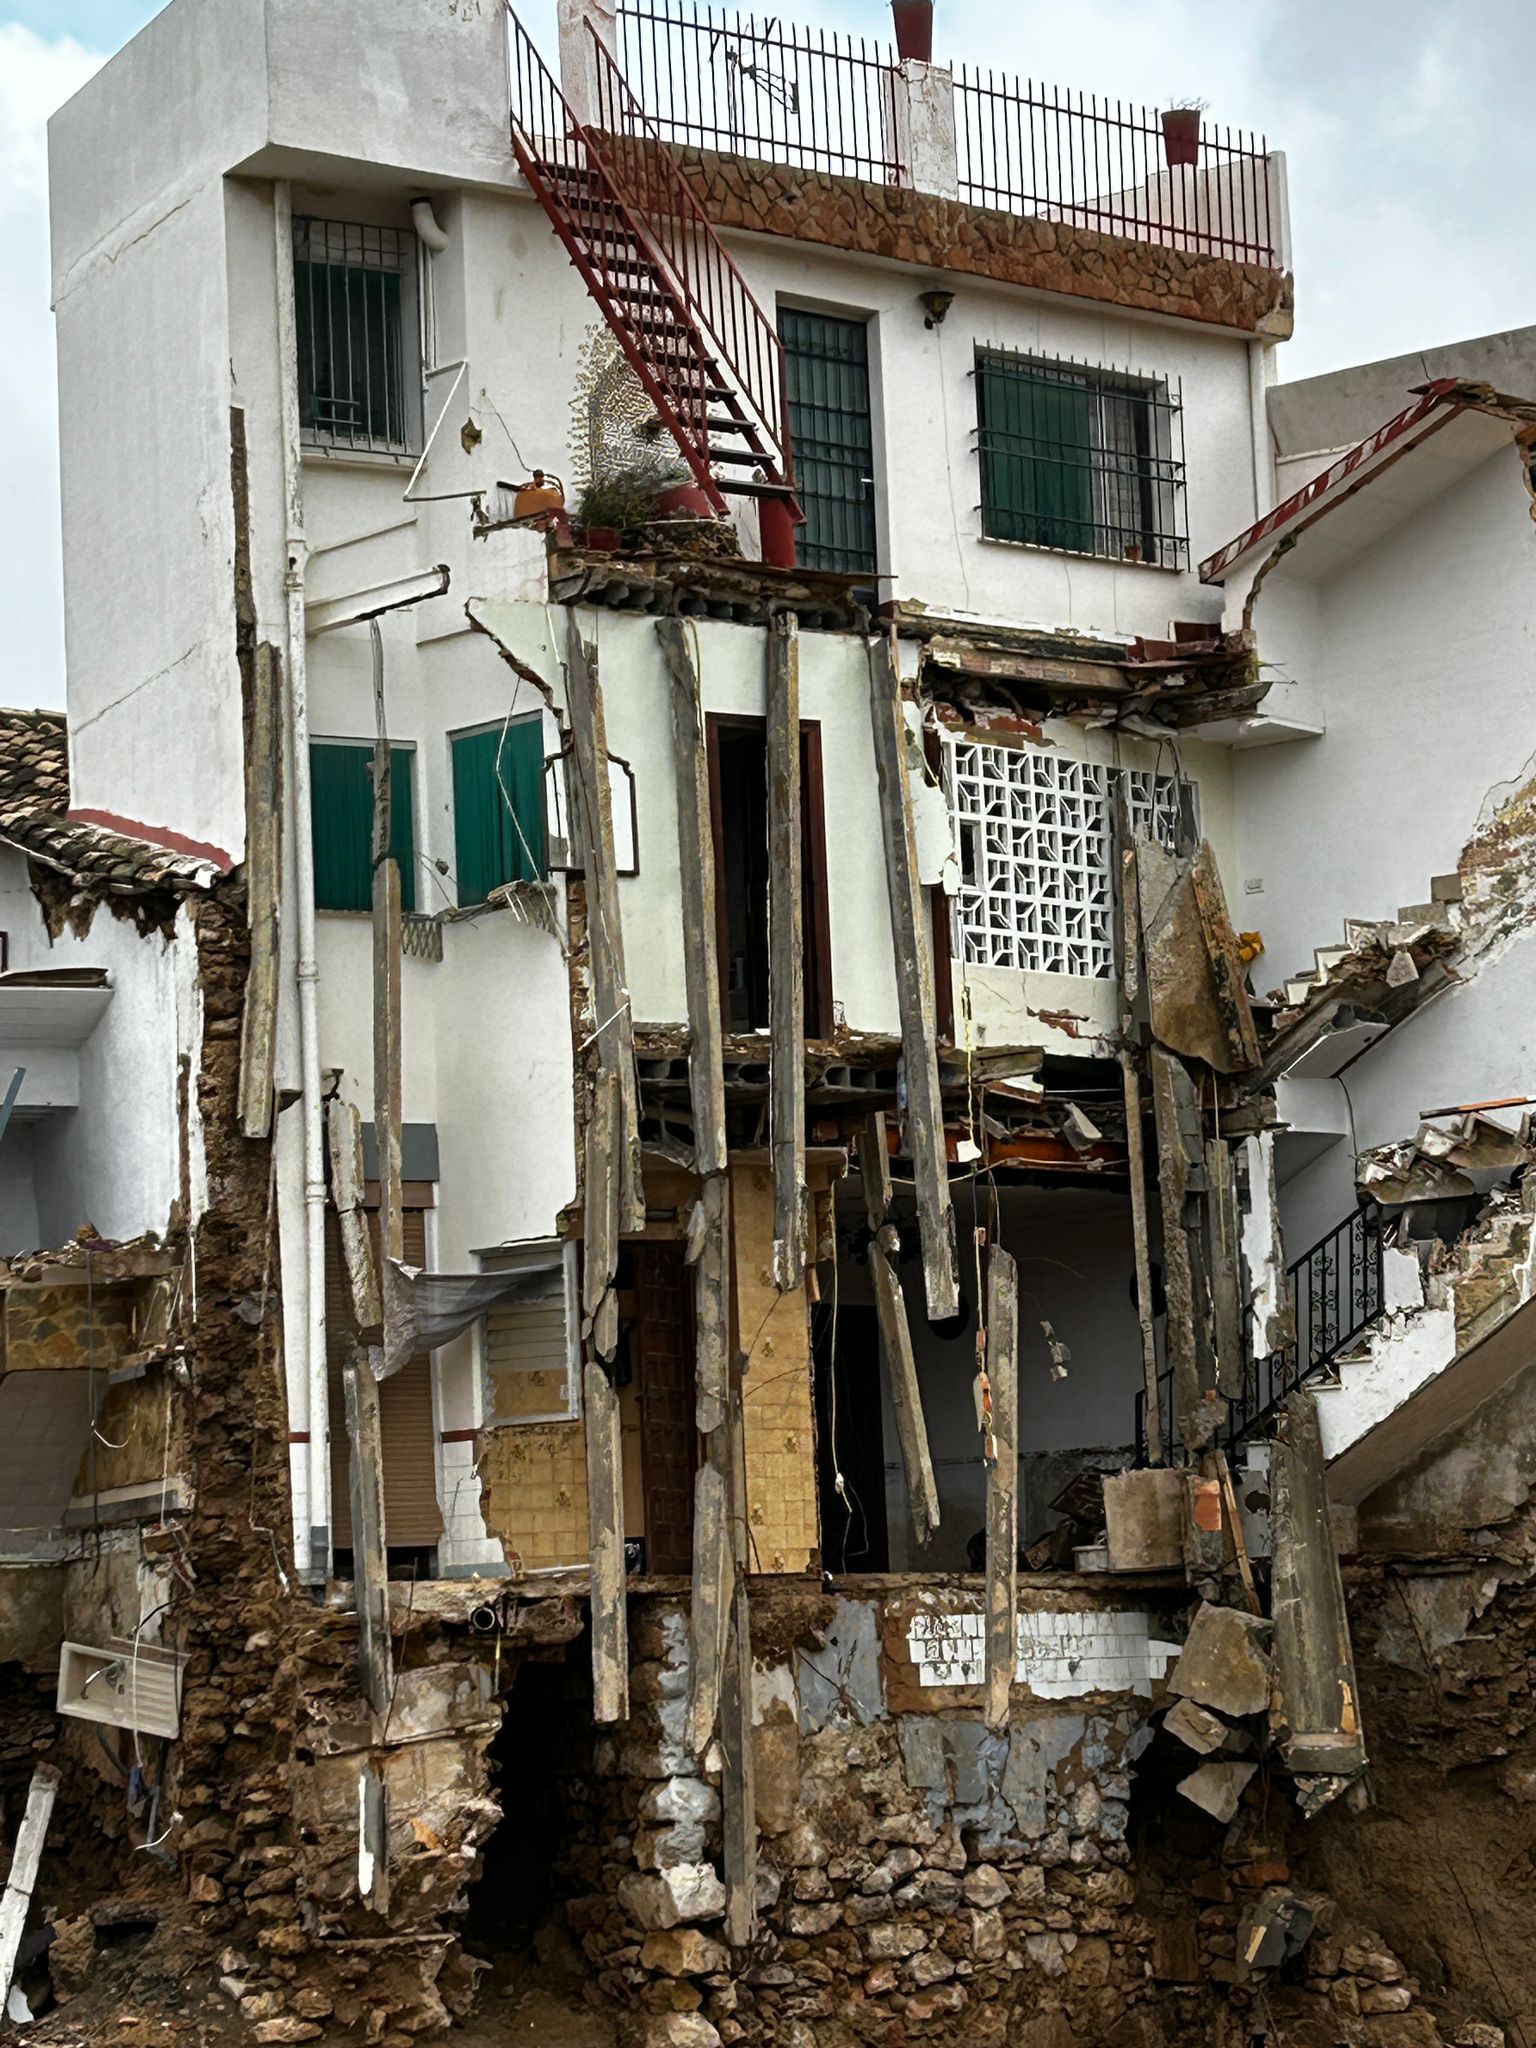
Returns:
point(1034, 828)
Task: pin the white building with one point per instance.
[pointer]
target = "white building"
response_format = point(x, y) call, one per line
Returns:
point(1046, 463)
point(925, 523)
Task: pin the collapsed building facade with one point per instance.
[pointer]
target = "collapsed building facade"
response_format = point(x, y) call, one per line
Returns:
point(691, 1279)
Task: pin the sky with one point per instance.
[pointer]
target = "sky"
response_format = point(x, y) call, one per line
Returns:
point(1402, 122)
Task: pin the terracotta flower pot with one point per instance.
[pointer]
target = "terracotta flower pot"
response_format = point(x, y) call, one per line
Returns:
point(684, 501)
point(602, 540)
point(914, 29)
point(1181, 136)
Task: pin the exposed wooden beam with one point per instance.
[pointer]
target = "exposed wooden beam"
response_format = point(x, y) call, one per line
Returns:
point(738, 1776)
point(605, 1510)
point(263, 882)
point(1173, 1102)
point(1002, 1604)
point(366, 1366)
point(895, 1334)
point(344, 1137)
point(612, 1022)
point(1318, 1696)
point(914, 986)
point(709, 1233)
point(25, 1857)
point(1128, 966)
point(786, 955)
point(1223, 1252)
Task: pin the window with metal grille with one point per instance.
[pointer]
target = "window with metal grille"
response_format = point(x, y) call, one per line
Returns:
point(341, 814)
point(1086, 460)
point(1036, 859)
point(351, 285)
point(826, 378)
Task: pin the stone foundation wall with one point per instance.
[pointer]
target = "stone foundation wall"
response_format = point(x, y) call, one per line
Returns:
point(916, 1871)
point(942, 234)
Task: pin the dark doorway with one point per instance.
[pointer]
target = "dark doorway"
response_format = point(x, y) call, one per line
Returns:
point(738, 781)
point(661, 1352)
point(850, 1441)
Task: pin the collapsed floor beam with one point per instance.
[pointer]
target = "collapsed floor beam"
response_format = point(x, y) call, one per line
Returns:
point(613, 1194)
point(914, 986)
point(895, 1334)
point(1128, 964)
point(1173, 1106)
point(263, 871)
point(786, 955)
point(612, 1022)
point(25, 1857)
point(1317, 1696)
point(709, 1234)
point(1002, 1602)
point(363, 1370)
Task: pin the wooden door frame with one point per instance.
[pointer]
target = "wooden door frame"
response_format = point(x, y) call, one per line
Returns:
point(813, 855)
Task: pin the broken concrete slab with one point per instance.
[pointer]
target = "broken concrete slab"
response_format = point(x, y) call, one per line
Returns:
point(1202, 1731)
point(1144, 1515)
point(1225, 1662)
point(1217, 1787)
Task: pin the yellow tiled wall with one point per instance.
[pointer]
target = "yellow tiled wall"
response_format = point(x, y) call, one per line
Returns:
point(778, 1417)
point(534, 1492)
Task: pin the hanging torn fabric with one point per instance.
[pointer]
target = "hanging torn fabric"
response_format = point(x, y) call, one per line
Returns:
point(429, 1309)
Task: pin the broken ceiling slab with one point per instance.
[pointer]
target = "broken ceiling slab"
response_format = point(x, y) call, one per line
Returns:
point(1194, 977)
point(1204, 1732)
point(746, 593)
point(1225, 1662)
point(1144, 1514)
point(1217, 1787)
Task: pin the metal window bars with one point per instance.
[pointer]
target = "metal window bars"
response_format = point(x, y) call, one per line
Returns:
point(1081, 459)
point(1335, 1290)
point(762, 87)
point(350, 287)
point(1108, 166)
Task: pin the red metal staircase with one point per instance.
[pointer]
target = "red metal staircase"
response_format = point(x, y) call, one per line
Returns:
point(706, 353)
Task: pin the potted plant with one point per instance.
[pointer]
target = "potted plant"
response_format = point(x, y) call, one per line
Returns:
point(914, 29)
point(1181, 133)
point(621, 498)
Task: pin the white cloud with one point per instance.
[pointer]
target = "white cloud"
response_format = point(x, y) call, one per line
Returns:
point(37, 74)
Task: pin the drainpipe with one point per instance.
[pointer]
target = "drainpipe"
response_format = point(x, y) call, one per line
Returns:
point(316, 1569)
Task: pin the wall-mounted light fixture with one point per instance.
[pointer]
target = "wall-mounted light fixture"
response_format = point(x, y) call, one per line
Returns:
point(935, 305)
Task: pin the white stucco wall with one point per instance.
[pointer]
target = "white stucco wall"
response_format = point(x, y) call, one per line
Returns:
point(113, 1161)
point(1422, 653)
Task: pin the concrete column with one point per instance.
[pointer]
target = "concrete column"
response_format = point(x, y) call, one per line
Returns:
point(923, 126)
point(578, 65)
point(1280, 208)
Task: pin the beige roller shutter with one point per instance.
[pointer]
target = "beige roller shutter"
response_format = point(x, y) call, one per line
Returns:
point(412, 1516)
point(528, 1347)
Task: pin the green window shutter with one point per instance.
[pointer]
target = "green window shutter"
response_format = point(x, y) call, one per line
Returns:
point(1036, 444)
point(341, 818)
point(498, 807)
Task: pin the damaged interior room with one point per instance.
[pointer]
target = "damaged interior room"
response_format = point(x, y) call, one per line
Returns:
point(765, 1084)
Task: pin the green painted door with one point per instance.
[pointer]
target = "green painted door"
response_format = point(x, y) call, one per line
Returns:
point(341, 818)
point(498, 807)
point(827, 379)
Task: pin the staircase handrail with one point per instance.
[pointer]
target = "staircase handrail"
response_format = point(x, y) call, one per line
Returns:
point(703, 269)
